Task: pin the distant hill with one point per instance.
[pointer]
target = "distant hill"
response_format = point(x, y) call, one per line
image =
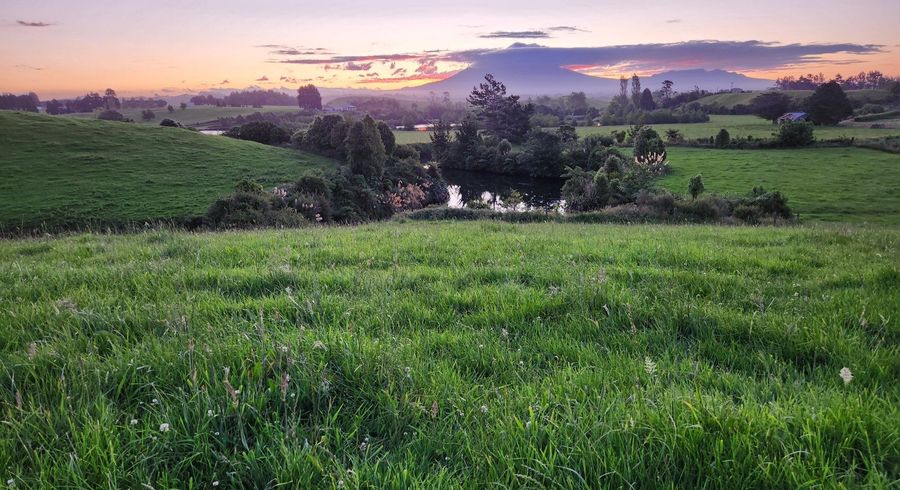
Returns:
point(536, 70)
point(61, 171)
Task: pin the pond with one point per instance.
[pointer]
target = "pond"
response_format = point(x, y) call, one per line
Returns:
point(493, 189)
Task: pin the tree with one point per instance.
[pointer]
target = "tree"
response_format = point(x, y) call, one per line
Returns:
point(829, 104)
point(647, 142)
point(696, 186)
point(440, 141)
point(771, 105)
point(794, 134)
point(55, 107)
point(666, 90)
point(365, 150)
point(576, 103)
point(387, 137)
point(170, 109)
point(111, 115)
point(623, 87)
point(309, 98)
point(148, 115)
point(183, 106)
point(647, 102)
point(110, 100)
point(636, 90)
point(723, 139)
point(500, 114)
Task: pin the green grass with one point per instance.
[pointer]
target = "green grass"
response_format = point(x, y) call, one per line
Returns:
point(730, 100)
point(452, 355)
point(826, 184)
point(192, 116)
point(58, 171)
point(737, 126)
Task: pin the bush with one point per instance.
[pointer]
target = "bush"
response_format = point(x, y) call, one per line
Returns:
point(723, 139)
point(148, 115)
point(111, 115)
point(794, 134)
point(169, 123)
point(265, 132)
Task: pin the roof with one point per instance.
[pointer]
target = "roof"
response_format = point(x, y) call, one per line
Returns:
point(794, 116)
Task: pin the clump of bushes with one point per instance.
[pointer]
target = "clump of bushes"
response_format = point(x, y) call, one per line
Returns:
point(264, 132)
point(169, 123)
point(794, 134)
point(111, 115)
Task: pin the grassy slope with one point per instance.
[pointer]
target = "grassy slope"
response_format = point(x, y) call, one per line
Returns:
point(736, 126)
point(547, 327)
point(731, 100)
point(192, 116)
point(830, 184)
point(61, 171)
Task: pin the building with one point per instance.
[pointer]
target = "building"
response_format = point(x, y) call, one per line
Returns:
point(793, 117)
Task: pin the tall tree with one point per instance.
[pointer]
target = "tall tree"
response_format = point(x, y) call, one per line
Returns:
point(828, 104)
point(110, 100)
point(636, 90)
point(365, 149)
point(667, 90)
point(309, 98)
point(647, 102)
point(771, 105)
point(500, 114)
point(623, 87)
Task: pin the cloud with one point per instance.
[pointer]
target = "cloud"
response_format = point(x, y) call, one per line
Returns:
point(34, 24)
point(673, 21)
point(224, 82)
point(352, 66)
point(29, 67)
point(418, 77)
point(566, 29)
point(427, 67)
point(535, 34)
point(262, 79)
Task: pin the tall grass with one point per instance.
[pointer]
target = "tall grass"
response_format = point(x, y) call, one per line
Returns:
point(452, 355)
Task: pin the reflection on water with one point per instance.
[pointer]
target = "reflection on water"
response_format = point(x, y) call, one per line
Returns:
point(495, 190)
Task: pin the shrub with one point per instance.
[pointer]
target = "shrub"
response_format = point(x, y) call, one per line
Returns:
point(169, 123)
point(723, 139)
point(794, 134)
point(646, 142)
point(148, 115)
point(265, 132)
point(696, 187)
point(111, 115)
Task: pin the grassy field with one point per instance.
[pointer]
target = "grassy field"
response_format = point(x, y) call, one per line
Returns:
point(828, 184)
point(192, 116)
point(730, 100)
point(736, 125)
point(452, 355)
point(58, 171)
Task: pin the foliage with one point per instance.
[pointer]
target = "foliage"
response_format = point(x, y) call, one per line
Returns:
point(261, 132)
point(794, 134)
point(646, 141)
point(723, 138)
point(169, 123)
point(111, 115)
point(829, 104)
point(500, 114)
point(771, 105)
point(309, 98)
point(148, 115)
point(695, 187)
point(365, 149)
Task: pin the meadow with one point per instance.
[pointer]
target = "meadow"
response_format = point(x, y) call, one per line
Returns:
point(823, 184)
point(58, 171)
point(452, 355)
point(191, 116)
point(729, 100)
point(737, 126)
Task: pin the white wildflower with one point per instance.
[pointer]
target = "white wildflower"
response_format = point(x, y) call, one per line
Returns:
point(846, 374)
point(484, 409)
point(164, 427)
point(215, 483)
point(154, 401)
point(10, 483)
point(504, 333)
point(649, 366)
point(319, 345)
point(134, 422)
point(209, 413)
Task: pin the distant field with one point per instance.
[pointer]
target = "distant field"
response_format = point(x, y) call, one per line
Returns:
point(192, 116)
point(59, 171)
point(736, 126)
point(730, 100)
point(827, 184)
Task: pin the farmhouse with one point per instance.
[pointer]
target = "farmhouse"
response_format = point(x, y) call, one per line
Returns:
point(793, 117)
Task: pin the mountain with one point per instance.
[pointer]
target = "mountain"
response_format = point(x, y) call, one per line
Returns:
point(535, 70)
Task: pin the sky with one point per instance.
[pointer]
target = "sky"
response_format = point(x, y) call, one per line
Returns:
point(61, 48)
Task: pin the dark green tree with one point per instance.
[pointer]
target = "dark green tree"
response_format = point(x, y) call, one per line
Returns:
point(829, 104)
point(387, 137)
point(500, 114)
point(647, 102)
point(365, 150)
point(723, 139)
point(647, 142)
point(771, 105)
point(440, 141)
point(309, 98)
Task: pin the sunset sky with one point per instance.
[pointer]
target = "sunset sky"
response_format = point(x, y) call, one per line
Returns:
point(62, 48)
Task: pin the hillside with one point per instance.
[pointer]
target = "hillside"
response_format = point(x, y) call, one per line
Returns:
point(63, 171)
point(729, 100)
point(192, 116)
point(452, 355)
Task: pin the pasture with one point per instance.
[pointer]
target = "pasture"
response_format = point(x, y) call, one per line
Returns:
point(192, 116)
point(737, 126)
point(822, 184)
point(453, 355)
point(61, 171)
